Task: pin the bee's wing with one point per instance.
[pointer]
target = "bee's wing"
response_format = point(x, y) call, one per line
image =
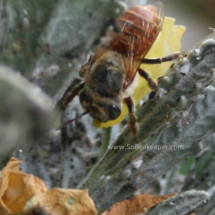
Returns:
point(140, 28)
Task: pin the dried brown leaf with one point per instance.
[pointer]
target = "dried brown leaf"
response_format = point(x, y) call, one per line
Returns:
point(16, 188)
point(63, 202)
point(140, 204)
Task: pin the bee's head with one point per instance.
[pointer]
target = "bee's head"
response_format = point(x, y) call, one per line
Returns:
point(100, 107)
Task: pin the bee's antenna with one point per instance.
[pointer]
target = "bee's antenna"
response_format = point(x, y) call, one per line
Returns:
point(71, 120)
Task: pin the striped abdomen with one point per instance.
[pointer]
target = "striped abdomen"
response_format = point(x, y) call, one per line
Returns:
point(140, 28)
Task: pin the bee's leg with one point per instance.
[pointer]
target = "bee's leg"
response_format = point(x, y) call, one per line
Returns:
point(83, 70)
point(163, 59)
point(69, 96)
point(133, 125)
point(85, 67)
point(152, 83)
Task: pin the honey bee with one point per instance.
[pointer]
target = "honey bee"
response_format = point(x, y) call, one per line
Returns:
point(110, 74)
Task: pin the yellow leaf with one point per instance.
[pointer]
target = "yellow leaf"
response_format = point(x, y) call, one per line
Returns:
point(168, 41)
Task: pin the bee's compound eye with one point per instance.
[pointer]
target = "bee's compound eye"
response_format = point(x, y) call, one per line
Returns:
point(114, 111)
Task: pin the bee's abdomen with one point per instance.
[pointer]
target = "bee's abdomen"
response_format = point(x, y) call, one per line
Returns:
point(140, 28)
